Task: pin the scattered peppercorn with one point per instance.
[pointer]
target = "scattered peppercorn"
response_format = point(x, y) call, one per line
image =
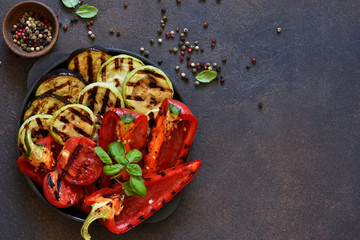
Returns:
point(159, 31)
point(222, 80)
point(160, 62)
point(247, 67)
point(214, 40)
point(278, 30)
point(177, 68)
point(163, 10)
point(159, 40)
point(183, 75)
point(186, 30)
point(118, 34)
point(65, 27)
point(125, 5)
point(111, 30)
point(205, 25)
point(89, 33)
point(260, 106)
point(0, 63)
point(142, 49)
point(92, 36)
point(197, 83)
point(177, 29)
point(175, 50)
point(253, 60)
point(170, 50)
point(151, 41)
point(146, 53)
point(181, 58)
point(197, 48)
point(178, 1)
point(224, 60)
point(194, 70)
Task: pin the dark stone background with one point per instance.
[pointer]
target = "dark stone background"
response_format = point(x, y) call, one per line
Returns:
point(289, 171)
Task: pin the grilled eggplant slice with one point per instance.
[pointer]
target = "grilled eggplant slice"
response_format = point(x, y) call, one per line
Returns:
point(145, 88)
point(38, 125)
point(100, 97)
point(71, 121)
point(44, 104)
point(62, 82)
point(116, 68)
point(87, 62)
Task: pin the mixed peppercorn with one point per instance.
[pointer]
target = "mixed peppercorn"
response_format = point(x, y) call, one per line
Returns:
point(32, 32)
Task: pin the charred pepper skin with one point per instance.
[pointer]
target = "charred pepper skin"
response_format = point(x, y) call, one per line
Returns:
point(161, 188)
point(170, 137)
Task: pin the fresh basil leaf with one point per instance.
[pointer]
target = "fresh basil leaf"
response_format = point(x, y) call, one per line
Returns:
point(112, 169)
point(87, 11)
point(116, 149)
point(70, 3)
point(134, 170)
point(128, 190)
point(138, 186)
point(127, 118)
point(103, 155)
point(134, 156)
point(206, 76)
point(121, 159)
point(174, 109)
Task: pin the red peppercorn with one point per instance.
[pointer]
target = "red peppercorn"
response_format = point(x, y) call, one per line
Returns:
point(253, 60)
point(65, 27)
point(91, 22)
point(172, 36)
point(206, 25)
point(182, 53)
point(214, 40)
point(167, 34)
point(125, 5)
point(189, 50)
point(198, 64)
point(205, 67)
point(181, 58)
point(188, 64)
point(89, 27)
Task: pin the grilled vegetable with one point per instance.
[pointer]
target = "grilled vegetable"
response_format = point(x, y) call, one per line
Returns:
point(38, 125)
point(45, 104)
point(73, 120)
point(145, 88)
point(116, 68)
point(87, 62)
point(61, 82)
point(100, 97)
point(170, 137)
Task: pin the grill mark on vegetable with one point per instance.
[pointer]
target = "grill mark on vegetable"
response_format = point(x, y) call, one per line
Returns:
point(163, 202)
point(39, 123)
point(147, 179)
point(64, 120)
point(105, 101)
point(117, 103)
point(117, 63)
point(153, 101)
point(103, 57)
point(103, 74)
point(130, 226)
point(131, 64)
point(173, 192)
point(76, 63)
point(62, 135)
point(92, 97)
point(186, 146)
point(136, 98)
point(162, 174)
point(57, 88)
point(81, 131)
point(83, 117)
point(141, 218)
point(153, 210)
point(90, 67)
point(58, 188)
point(49, 181)
point(107, 196)
point(72, 158)
point(149, 72)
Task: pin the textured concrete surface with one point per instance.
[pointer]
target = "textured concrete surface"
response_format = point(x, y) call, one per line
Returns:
point(288, 171)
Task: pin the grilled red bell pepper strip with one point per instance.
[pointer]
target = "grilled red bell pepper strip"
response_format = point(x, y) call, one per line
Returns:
point(125, 126)
point(161, 188)
point(59, 192)
point(105, 204)
point(41, 154)
point(78, 161)
point(37, 174)
point(171, 136)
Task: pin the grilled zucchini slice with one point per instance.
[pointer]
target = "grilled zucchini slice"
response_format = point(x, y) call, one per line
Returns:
point(87, 62)
point(38, 125)
point(71, 121)
point(44, 104)
point(100, 97)
point(62, 82)
point(145, 88)
point(116, 68)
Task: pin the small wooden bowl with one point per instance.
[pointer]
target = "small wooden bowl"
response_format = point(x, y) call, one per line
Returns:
point(17, 12)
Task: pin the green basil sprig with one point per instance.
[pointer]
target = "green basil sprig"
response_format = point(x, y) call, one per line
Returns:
point(70, 3)
point(126, 162)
